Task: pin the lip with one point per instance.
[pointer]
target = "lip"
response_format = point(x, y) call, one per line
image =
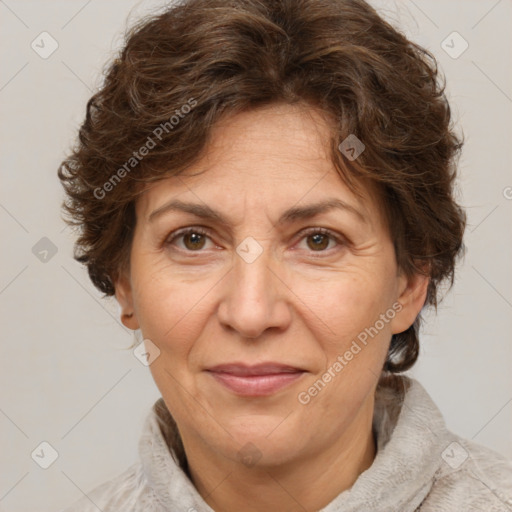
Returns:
point(255, 380)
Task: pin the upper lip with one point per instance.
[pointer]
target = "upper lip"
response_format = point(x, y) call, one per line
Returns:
point(242, 369)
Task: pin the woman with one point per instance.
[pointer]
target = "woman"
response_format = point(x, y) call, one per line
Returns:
point(266, 188)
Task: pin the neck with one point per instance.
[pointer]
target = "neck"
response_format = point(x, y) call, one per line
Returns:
point(307, 483)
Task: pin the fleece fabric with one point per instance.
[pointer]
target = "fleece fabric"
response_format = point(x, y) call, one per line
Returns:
point(419, 466)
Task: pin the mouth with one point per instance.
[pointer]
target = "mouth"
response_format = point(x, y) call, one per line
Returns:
point(255, 380)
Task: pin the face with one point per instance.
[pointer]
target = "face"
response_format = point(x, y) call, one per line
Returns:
point(254, 277)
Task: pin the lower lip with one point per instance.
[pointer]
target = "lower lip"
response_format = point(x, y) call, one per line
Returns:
point(256, 385)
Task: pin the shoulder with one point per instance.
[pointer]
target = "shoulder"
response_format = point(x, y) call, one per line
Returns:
point(472, 478)
point(127, 491)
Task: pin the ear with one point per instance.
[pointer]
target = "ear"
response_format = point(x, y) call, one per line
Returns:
point(413, 292)
point(124, 297)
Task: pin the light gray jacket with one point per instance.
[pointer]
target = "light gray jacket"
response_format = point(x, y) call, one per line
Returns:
point(419, 466)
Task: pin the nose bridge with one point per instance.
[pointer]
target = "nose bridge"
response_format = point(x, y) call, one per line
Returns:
point(251, 303)
point(252, 287)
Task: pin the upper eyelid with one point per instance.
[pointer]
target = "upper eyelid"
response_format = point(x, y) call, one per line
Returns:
point(302, 233)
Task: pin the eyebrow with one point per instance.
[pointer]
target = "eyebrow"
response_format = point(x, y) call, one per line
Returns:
point(293, 214)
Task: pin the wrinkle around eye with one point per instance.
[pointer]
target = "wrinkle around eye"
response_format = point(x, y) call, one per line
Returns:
point(175, 242)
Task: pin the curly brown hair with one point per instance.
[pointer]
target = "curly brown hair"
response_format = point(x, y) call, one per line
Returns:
point(181, 70)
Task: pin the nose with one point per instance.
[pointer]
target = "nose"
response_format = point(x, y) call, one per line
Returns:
point(254, 297)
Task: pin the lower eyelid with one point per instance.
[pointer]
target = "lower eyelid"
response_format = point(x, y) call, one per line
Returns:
point(170, 240)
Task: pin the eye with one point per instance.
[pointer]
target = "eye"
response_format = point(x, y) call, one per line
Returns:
point(193, 239)
point(319, 239)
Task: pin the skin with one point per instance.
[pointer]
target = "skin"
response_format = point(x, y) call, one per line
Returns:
point(301, 302)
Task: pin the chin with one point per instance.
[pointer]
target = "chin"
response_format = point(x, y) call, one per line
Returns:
point(265, 438)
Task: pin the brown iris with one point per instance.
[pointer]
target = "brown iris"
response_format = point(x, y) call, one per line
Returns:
point(193, 240)
point(321, 241)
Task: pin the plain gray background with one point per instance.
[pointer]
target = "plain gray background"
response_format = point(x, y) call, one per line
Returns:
point(66, 375)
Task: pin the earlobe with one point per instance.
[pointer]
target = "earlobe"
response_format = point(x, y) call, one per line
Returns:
point(412, 298)
point(125, 299)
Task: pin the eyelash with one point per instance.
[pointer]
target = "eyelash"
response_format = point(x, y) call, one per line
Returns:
point(305, 233)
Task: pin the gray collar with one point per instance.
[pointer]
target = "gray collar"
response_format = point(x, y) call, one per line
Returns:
point(410, 432)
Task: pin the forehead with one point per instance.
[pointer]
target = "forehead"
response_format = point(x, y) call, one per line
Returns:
point(267, 159)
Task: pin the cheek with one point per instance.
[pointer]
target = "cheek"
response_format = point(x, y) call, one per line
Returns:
point(348, 329)
point(172, 314)
point(169, 308)
point(347, 325)
point(346, 303)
